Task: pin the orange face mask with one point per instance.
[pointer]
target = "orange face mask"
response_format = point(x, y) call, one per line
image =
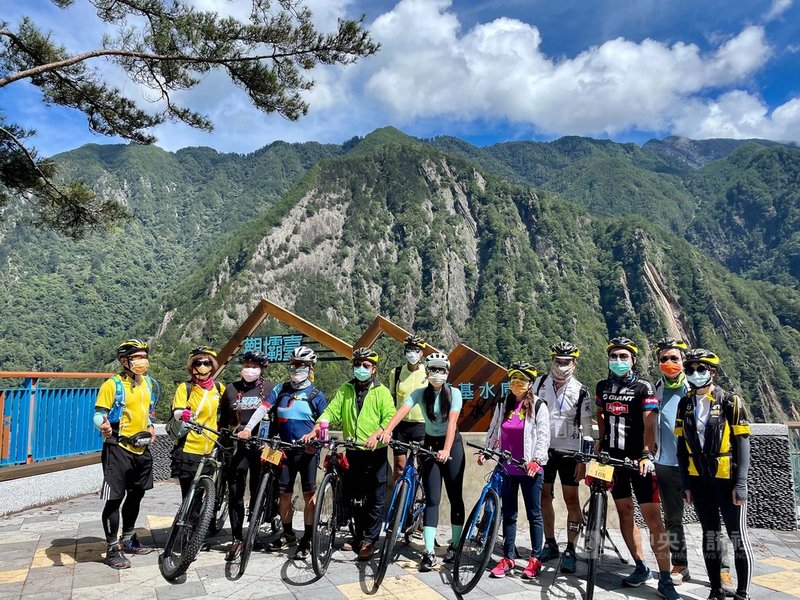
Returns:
point(670, 369)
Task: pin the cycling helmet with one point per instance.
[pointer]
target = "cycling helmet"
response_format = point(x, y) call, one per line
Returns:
point(414, 341)
point(256, 357)
point(622, 342)
point(522, 368)
point(701, 355)
point(365, 354)
point(670, 343)
point(203, 350)
point(437, 360)
point(303, 354)
point(128, 347)
point(564, 349)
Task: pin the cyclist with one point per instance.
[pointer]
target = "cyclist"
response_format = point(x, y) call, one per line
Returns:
point(197, 399)
point(714, 456)
point(362, 405)
point(441, 405)
point(570, 409)
point(239, 402)
point(521, 424)
point(402, 381)
point(295, 405)
point(627, 414)
point(124, 415)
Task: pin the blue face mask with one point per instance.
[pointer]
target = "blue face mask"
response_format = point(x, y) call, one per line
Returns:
point(361, 373)
point(698, 380)
point(619, 367)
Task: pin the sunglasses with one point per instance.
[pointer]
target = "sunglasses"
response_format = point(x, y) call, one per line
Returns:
point(437, 370)
point(619, 355)
point(365, 364)
point(202, 363)
point(664, 359)
point(699, 370)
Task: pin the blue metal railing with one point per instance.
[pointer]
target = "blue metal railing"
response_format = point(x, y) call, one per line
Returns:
point(42, 423)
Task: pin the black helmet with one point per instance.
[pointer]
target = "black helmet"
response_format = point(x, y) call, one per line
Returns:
point(365, 354)
point(701, 355)
point(128, 347)
point(254, 356)
point(622, 342)
point(414, 341)
point(525, 369)
point(670, 343)
point(564, 349)
point(203, 350)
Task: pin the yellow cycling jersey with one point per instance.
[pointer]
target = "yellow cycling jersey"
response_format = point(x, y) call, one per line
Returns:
point(135, 415)
point(401, 387)
point(204, 405)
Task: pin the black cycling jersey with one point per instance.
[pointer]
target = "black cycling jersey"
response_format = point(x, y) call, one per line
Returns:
point(240, 401)
point(623, 404)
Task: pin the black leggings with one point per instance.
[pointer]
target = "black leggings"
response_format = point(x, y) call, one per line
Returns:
point(130, 512)
point(244, 462)
point(711, 498)
point(453, 474)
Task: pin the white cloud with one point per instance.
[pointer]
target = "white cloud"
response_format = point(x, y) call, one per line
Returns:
point(777, 8)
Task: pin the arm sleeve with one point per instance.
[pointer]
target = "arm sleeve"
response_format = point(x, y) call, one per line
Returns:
point(740, 428)
point(493, 433)
point(683, 455)
point(587, 423)
point(225, 411)
point(542, 434)
point(258, 415)
point(99, 413)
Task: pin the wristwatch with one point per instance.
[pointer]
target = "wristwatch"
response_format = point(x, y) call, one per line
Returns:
point(647, 456)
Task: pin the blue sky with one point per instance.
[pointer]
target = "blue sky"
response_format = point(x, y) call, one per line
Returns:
point(490, 71)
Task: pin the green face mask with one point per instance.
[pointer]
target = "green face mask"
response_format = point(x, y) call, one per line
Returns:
point(619, 367)
point(361, 373)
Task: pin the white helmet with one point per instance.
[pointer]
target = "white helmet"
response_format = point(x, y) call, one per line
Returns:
point(437, 360)
point(303, 354)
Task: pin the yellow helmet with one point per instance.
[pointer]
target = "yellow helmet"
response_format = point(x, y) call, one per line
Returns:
point(701, 355)
point(369, 354)
point(522, 368)
point(564, 349)
point(622, 342)
point(670, 343)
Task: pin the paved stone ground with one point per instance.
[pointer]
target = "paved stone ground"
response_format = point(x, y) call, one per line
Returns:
point(56, 552)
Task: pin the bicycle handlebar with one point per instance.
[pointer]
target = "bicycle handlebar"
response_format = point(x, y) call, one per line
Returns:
point(223, 432)
point(332, 444)
point(603, 458)
point(412, 447)
point(501, 457)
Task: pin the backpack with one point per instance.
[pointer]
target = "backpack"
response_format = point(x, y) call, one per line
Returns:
point(286, 390)
point(394, 381)
point(176, 428)
point(115, 414)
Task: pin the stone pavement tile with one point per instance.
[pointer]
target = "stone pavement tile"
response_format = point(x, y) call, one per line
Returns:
point(9, 591)
point(53, 516)
point(190, 589)
point(21, 537)
point(782, 581)
point(104, 592)
point(261, 589)
point(139, 575)
point(89, 574)
point(13, 576)
point(54, 556)
point(781, 563)
point(55, 579)
point(66, 529)
point(218, 586)
point(505, 585)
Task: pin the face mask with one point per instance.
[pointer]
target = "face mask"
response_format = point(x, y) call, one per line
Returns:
point(413, 356)
point(670, 369)
point(519, 387)
point(202, 371)
point(562, 372)
point(362, 373)
point(139, 366)
point(698, 380)
point(619, 367)
point(437, 379)
point(250, 374)
point(299, 375)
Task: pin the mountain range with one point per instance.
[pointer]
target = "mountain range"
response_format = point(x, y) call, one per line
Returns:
point(506, 248)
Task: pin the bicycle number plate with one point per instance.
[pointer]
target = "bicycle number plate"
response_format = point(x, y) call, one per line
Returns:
point(598, 471)
point(271, 456)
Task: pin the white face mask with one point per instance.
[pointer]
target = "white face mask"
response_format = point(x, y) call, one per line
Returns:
point(562, 372)
point(300, 375)
point(437, 378)
point(699, 380)
point(250, 374)
point(413, 356)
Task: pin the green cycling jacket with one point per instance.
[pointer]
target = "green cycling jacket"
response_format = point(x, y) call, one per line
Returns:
point(377, 411)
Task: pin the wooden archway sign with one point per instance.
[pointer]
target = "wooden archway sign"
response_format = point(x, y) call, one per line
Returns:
point(469, 369)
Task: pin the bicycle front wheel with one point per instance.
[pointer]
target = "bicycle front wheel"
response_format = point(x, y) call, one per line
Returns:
point(477, 543)
point(187, 534)
point(594, 539)
point(265, 492)
point(220, 505)
point(394, 521)
point(323, 535)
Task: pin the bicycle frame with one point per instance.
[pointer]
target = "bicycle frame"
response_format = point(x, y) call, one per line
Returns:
point(411, 476)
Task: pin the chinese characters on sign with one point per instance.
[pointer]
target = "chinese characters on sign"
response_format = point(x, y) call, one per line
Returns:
point(485, 390)
point(277, 348)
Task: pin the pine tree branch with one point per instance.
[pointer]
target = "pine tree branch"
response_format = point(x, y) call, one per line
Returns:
point(45, 179)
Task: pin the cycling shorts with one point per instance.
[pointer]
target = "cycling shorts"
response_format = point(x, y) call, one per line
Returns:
point(123, 471)
point(644, 488)
point(561, 465)
point(299, 461)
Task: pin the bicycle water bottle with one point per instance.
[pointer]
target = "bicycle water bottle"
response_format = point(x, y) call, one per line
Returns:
point(323, 430)
point(588, 445)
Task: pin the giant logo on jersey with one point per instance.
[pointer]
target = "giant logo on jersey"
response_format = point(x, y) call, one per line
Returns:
point(616, 408)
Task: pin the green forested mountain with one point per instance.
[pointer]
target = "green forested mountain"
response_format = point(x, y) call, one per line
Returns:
point(62, 298)
point(398, 228)
point(444, 238)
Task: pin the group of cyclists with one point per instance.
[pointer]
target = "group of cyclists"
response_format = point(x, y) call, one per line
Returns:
point(688, 436)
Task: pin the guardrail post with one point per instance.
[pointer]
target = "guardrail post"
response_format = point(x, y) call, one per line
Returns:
point(29, 383)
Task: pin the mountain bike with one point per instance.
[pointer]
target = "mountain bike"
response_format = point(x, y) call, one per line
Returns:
point(221, 497)
point(265, 505)
point(406, 508)
point(331, 511)
point(480, 531)
point(599, 478)
point(193, 520)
